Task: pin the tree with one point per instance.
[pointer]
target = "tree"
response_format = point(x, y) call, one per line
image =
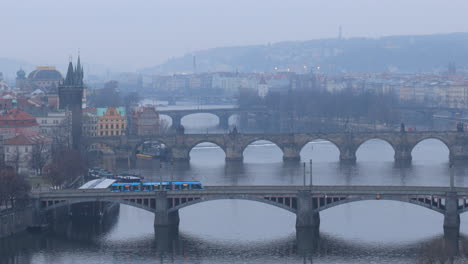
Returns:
point(131, 99)
point(65, 167)
point(14, 187)
point(107, 96)
point(164, 127)
point(40, 155)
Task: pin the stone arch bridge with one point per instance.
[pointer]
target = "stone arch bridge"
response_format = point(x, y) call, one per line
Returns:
point(223, 114)
point(304, 201)
point(234, 144)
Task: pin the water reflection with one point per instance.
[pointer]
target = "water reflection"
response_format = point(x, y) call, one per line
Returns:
point(60, 246)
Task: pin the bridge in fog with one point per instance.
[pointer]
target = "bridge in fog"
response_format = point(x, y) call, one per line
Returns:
point(223, 114)
point(233, 144)
point(304, 201)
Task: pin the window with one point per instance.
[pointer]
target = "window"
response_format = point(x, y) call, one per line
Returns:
point(107, 126)
point(112, 126)
point(25, 149)
point(102, 133)
point(44, 121)
point(117, 126)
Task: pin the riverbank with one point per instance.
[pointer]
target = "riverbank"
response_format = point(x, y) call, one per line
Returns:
point(15, 220)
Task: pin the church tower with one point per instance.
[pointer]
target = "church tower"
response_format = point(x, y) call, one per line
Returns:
point(70, 97)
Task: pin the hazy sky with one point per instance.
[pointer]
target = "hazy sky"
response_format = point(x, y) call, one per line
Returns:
point(131, 34)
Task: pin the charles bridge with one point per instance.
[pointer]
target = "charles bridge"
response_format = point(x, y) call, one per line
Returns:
point(233, 144)
point(306, 202)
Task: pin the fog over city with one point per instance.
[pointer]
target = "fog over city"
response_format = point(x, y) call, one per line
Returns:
point(129, 35)
point(234, 131)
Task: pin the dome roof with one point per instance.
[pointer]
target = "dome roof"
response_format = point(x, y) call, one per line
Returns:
point(20, 74)
point(45, 73)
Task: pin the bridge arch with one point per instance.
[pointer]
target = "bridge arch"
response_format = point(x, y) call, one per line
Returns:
point(376, 139)
point(291, 208)
point(185, 118)
point(414, 146)
point(84, 200)
point(253, 140)
point(142, 142)
point(198, 142)
point(166, 118)
point(352, 200)
point(305, 144)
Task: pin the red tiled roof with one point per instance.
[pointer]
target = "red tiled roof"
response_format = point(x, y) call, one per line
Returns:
point(27, 140)
point(15, 114)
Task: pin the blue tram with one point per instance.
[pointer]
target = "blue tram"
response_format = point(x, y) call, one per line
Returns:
point(155, 186)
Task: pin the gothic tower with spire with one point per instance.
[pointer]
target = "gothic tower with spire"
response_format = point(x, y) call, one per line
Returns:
point(71, 97)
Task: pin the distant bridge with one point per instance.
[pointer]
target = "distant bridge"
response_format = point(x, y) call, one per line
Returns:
point(304, 201)
point(223, 114)
point(234, 144)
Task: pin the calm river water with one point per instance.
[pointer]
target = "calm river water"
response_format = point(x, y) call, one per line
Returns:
point(232, 231)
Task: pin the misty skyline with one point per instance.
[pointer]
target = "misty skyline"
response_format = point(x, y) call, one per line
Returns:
point(130, 35)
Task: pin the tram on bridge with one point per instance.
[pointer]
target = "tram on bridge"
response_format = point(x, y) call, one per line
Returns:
point(156, 186)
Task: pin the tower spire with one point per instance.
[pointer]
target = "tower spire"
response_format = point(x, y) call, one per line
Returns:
point(79, 71)
point(70, 74)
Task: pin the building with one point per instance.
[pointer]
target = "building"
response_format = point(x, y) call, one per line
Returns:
point(262, 89)
point(15, 122)
point(55, 123)
point(46, 78)
point(90, 127)
point(27, 154)
point(145, 121)
point(111, 121)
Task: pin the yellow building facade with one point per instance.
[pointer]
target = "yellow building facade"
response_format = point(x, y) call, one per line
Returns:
point(111, 121)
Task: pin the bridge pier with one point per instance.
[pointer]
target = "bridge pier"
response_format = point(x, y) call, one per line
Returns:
point(451, 216)
point(403, 156)
point(176, 121)
point(307, 219)
point(234, 151)
point(180, 154)
point(224, 121)
point(291, 153)
point(348, 155)
point(166, 223)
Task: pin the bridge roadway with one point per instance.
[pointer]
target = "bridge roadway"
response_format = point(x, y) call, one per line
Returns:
point(304, 201)
point(234, 144)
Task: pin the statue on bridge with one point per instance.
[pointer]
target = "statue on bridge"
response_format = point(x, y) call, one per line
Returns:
point(233, 132)
point(402, 127)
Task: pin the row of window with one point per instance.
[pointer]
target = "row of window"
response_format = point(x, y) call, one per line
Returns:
point(55, 121)
point(110, 133)
point(112, 120)
point(7, 149)
point(112, 126)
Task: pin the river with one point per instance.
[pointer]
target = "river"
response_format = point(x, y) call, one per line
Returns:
point(234, 231)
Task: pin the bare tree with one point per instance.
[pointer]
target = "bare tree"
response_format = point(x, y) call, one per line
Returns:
point(14, 187)
point(65, 167)
point(14, 157)
point(40, 155)
point(163, 126)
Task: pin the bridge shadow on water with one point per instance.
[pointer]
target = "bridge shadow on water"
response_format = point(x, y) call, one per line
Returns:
point(72, 242)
